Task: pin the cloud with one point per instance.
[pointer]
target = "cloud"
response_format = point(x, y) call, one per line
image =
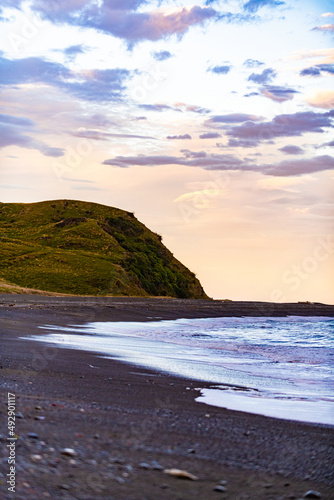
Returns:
point(278, 94)
point(327, 54)
point(255, 5)
point(191, 108)
point(210, 135)
point(328, 144)
point(283, 125)
point(178, 106)
point(328, 14)
point(321, 99)
point(92, 85)
point(316, 70)
point(299, 167)
point(230, 17)
point(232, 118)
point(181, 137)
point(13, 133)
point(121, 20)
point(252, 63)
point(252, 94)
point(155, 107)
point(72, 51)
point(292, 150)
point(326, 28)
point(241, 143)
point(220, 70)
point(200, 159)
point(163, 55)
point(104, 136)
point(226, 162)
point(266, 76)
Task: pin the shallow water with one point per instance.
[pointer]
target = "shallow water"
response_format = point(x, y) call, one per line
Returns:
point(279, 367)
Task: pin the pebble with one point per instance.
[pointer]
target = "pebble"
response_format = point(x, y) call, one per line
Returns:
point(19, 415)
point(223, 482)
point(33, 435)
point(312, 494)
point(64, 487)
point(182, 474)
point(36, 458)
point(156, 465)
point(39, 417)
point(144, 465)
point(68, 452)
point(220, 488)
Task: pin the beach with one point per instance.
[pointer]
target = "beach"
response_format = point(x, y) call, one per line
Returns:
point(90, 427)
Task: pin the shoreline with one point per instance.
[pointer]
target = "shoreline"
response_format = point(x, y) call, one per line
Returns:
point(120, 419)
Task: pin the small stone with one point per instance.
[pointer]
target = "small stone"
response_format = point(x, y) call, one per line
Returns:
point(312, 494)
point(96, 436)
point(223, 482)
point(220, 488)
point(36, 458)
point(208, 415)
point(39, 417)
point(181, 474)
point(64, 487)
point(144, 465)
point(33, 435)
point(191, 450)
point(19, 415)
point(156, 465)
point(38, 408)
point(68, 452)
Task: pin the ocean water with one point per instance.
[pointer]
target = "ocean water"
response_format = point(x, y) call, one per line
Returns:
point(278, 367)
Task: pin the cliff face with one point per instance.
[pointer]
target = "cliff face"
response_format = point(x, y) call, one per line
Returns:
point(84, 248)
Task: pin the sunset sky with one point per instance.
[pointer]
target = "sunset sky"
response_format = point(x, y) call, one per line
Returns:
point(211, 121)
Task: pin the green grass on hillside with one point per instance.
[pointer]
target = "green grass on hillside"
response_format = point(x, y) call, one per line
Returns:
point(83, 248)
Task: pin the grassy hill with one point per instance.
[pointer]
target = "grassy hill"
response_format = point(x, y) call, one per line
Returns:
point(83, 248)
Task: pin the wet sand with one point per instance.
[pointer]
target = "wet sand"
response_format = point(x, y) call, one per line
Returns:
point(126, 424)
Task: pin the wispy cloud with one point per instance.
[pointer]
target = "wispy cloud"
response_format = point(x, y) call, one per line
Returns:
point(326, 28)
point(232, 118)
point(122, 20)
point(266, 76)
point(285, 125)
point(252, 63)
point(255, 5)
point(278, 94)
point(163, 55)
point(292, 150)
point(317, 70)
point(210, 135)
point(227, 162)
point(13, 132)
point(92, 85)
point(179, 137)
point(220, 70)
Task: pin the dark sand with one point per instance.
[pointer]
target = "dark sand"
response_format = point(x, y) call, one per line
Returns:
point(119, 417)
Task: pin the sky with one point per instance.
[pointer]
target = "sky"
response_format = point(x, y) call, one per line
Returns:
point(211, 121)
